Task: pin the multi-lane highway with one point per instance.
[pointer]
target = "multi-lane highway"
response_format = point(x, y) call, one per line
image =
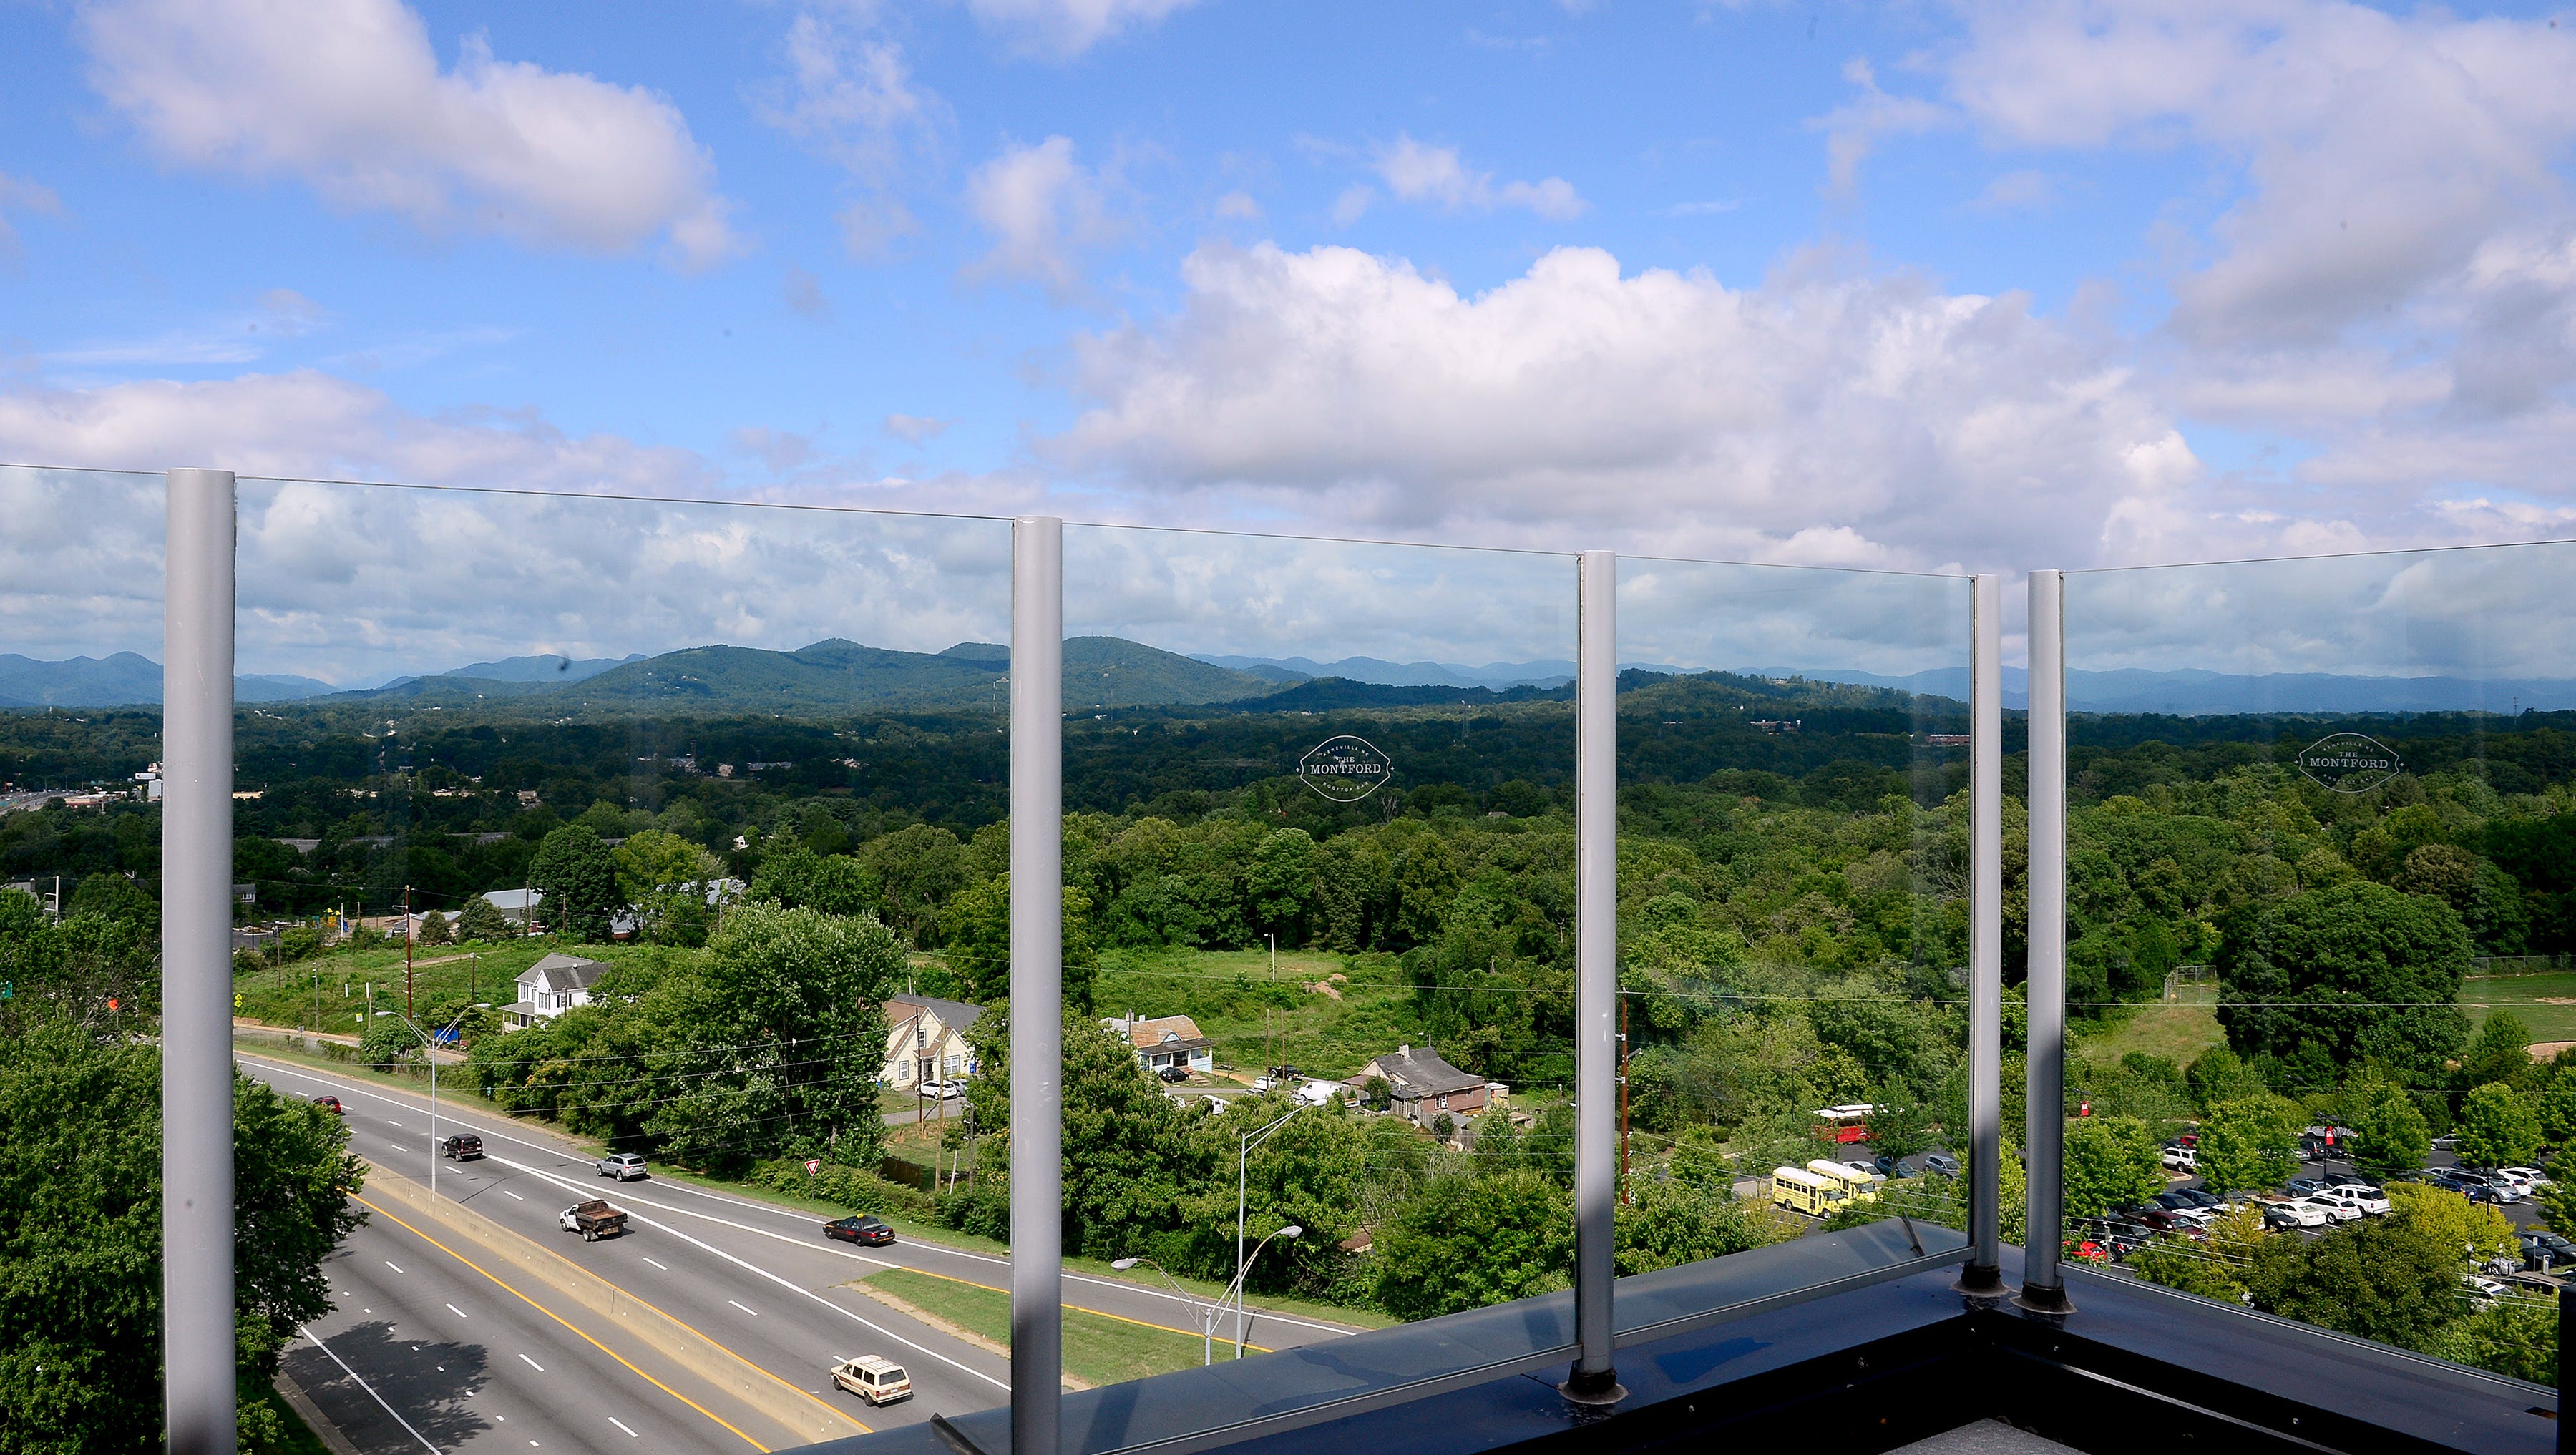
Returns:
point(434, 1346)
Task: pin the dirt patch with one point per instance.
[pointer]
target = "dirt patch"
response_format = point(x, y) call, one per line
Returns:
point(2548, 1050)
point(1325, 987)
point(2553, 1000)
point(909, 1309)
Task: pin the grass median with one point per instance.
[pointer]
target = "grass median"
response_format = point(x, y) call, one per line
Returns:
point(1098, 1348)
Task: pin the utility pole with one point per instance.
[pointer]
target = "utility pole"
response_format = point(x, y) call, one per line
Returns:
point(1270, 1035)
point(409, 1010)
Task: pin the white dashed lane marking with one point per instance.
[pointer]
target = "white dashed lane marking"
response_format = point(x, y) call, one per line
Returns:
point(532, 1364)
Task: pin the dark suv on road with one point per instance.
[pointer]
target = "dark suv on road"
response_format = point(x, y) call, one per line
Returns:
point(463, 1147)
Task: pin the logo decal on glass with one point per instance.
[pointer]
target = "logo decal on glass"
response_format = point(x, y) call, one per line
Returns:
point(1345, 769)
point(2348, 762)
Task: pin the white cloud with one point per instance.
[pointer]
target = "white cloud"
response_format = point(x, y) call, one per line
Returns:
point(20, 195)
point(2024, 190)
point(1042, 208)
point(1238, 206)
point(1415, 172)
point(350, 99)
point(308, 423)
point(1826, 415)
point(1852, 130)
point(914, 428)
point(2380, 151)
point(1353, 204)
point(1067, 28)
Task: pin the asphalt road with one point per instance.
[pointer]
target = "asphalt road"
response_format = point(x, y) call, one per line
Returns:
point(753, 1276)
point(425, 1355)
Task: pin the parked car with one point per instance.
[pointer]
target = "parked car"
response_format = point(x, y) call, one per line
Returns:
point(876, 1380)
point(2481, 1192)
point(2181, 1159)
point(2511, 1180)
point(1941, 1162)
point(1891, 1167)
point(462, 1147)
point(1287, 1073)
point(2483, 1291)
point(2542, 1249)
point(2295, 1213)
point(2172, 1201)
point(621, 1165)
point(2164, 1221)
point(594, 1219)
point(2336, 1209)
point(2373, 1200)
point(330, 1104)
point(1174, 1073)
point(2531, 1178)
point(861, 1229)
point(2201, 1197)
point(2302, 1186)
point(939, 1090)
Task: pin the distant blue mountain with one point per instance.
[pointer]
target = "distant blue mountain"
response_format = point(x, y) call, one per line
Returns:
point(541, 668)
point(123, 679)
point(1496, 676)
point(2194, 692)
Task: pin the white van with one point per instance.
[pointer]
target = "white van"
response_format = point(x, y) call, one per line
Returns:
point(876, 1380)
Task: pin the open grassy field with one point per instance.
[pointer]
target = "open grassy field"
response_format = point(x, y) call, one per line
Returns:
point(2179, 1033)
point(1257, 1023)
point(1098, 1348)
point(329, 992)
point(2546, 1003)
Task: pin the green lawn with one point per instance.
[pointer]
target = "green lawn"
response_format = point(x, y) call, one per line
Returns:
point(2179, 1033)
point(1098, 1349)
point(2527, 996)
point(1229, 993)
point(328, 992)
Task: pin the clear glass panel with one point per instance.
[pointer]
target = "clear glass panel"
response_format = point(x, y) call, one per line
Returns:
point(80, 744)
point(1793, 917)
point(1364, 752)
point(2317, 938)
point(696, 811)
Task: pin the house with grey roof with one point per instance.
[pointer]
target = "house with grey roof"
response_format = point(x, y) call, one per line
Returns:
point(1423, 1088)
point(926, 1040)
point(552, 986)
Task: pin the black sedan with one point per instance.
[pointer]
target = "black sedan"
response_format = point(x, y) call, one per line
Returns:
point(859, 1230)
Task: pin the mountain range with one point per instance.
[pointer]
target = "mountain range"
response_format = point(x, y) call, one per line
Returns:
point(1495, 676)
point(122, 679)
point(1102, 673)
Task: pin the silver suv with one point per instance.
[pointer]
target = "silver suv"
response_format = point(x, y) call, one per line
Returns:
point(621, 1165)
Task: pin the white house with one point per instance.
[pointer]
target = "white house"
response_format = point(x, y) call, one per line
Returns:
point(552, 986)
point(926, 1040)
point(1171, 1040)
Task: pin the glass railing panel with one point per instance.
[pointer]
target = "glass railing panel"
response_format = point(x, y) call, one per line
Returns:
point(80, 745)
point(655, 830)
point(2316, 948)
point(1318, 805)
point(1793, 928)
point(81, 748)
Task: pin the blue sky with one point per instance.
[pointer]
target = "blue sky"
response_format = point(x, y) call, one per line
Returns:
point(1914, 286)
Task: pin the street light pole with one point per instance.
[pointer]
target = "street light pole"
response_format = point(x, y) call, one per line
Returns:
point(1243, 1160)
point(1242, 1277)
point(1206, 1315)
point(429, 1053)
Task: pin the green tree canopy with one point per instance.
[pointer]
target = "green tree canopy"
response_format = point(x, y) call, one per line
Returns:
point(80, 1233)
point(1471, 1241)
point(2357, 971)
point(2498, 1128)
point(2251, 1142)
point(578, 878)
point(2391, 1136)
point(2110, 1162)
point(2381, 1278)
point(478, 920)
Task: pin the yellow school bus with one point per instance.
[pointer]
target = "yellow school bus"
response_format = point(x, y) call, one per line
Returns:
point(1863, 1186)
point(1800, 1190)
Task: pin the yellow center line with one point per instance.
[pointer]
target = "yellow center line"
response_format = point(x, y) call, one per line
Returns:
point(594, 1343)
point(1077, 1308)
point(647, 1305)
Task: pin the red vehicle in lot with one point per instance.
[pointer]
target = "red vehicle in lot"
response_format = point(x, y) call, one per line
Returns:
point(330, 1104)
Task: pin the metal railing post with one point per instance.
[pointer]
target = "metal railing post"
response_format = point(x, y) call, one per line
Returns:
point(1596, 984)
point(2043, 1286)
point(1983, 1274)
point(1037, 983)
point(197, 966)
